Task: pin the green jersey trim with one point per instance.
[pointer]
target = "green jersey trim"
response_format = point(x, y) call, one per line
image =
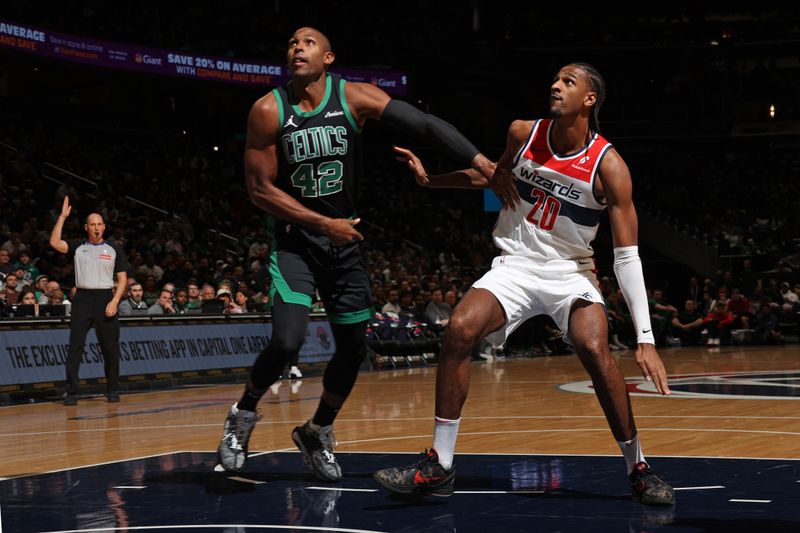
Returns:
point(353, 317)
point(321, 105)
point(280, 286)
point(279, 101)
point(346, 108)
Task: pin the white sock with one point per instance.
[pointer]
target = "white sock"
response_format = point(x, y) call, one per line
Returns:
point(313, 427)
point(445, 433)
point(632, 451)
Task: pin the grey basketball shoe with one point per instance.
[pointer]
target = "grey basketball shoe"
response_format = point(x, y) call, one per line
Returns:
point(317, 449)
point(232, 450)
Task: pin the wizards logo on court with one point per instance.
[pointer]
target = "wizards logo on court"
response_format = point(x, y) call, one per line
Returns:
point(768, 385)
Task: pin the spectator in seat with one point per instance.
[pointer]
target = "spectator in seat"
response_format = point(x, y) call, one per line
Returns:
point(40, 286)
point(241, 301)
point(9, 294)
point(789, 296)
point(661, 314)
point(14, 245)
point(450, 298)
point(28, 297)
point(151, 292)
point(688, 324)
point(5, 262)
point(208, 292)
point(407, 303)
point(30, 272)
point(718, 324)
point(765, 326)
point(739, 307)
point(134, 304)
point(420, 306)
point(438, 312)
point(393, 303)
point(163, 305)
point(181, 301)
point(150, 268)
point(193, 292)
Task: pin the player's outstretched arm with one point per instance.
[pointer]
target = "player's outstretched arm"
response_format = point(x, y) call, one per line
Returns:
point(461, 179)
point(368, 101)
point(261, 172)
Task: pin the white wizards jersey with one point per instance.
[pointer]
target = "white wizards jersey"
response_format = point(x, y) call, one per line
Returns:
point(559, 213)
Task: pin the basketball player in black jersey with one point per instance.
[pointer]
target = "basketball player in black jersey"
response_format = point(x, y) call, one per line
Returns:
point(300, 168)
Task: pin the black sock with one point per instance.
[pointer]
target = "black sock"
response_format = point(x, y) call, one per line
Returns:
point(325, 414)
point(249, 399)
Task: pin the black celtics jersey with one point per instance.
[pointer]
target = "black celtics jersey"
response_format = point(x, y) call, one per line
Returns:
point(317, 156)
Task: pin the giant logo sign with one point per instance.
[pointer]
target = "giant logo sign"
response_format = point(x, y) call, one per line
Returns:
point(766, 385)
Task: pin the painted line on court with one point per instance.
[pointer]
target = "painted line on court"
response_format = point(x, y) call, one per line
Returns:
point(749, 501)
point(499, 492)
point(410, 452)
point(131, 487)
point(416, 452)
point(196, 527)
point(571, 430)
point(340, 489)
point(96, 464)
point(409, 419)
point(247, 480)
point(700, 488)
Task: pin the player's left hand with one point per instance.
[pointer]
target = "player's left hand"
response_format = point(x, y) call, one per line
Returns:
point(652, 367)
point(414, 165)
point(111, 309)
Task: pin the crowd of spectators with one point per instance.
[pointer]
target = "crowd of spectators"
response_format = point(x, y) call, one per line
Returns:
point(190, 240)
point(176, 201)
point(742, 308)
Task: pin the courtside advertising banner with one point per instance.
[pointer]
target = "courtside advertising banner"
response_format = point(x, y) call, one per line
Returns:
point(36, 356)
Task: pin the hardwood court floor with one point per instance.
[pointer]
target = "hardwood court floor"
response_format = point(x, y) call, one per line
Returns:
point(515, 406)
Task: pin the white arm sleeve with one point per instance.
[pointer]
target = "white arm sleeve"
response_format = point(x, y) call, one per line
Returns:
point(628, 269)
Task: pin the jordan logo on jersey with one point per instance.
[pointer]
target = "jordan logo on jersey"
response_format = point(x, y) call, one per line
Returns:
point(290, 122)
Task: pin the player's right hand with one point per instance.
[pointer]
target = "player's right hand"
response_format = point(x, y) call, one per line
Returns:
point(66, 209)
point(414, 165)
point(342, 230)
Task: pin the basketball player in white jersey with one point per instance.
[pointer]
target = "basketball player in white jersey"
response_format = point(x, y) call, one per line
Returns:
point(566, 175)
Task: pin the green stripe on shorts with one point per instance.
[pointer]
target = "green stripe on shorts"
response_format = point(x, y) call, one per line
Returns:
point(353, 317)
point(280, 286)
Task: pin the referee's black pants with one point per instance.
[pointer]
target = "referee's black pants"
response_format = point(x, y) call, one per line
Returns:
point(89, 309)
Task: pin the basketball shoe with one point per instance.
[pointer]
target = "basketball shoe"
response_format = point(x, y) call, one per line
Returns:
point(317, 449)
point(232, 450)
point(648, 488)
point(425, 477)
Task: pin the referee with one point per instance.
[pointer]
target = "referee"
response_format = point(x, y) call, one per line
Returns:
point(95, 303)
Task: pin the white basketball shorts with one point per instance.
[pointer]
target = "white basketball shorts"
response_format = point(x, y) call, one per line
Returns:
point(526, 288)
